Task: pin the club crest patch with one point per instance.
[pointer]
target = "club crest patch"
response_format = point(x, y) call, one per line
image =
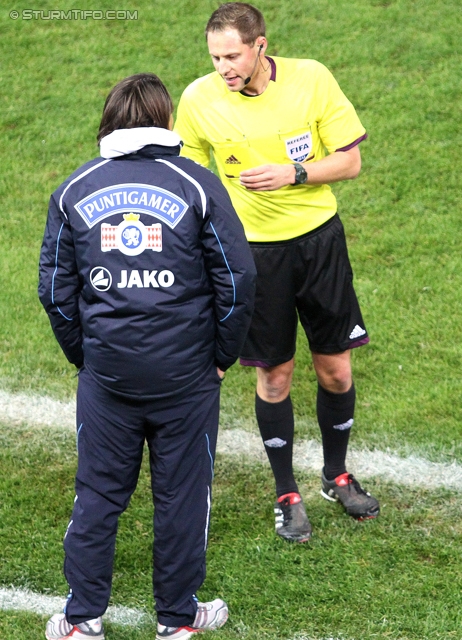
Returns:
point(131, 237)
point(298, 148)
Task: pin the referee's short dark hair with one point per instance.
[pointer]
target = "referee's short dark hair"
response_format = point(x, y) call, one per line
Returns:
point(243, 17)
point(141, 100)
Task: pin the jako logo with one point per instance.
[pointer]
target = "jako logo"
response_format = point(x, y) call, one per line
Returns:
point(100, 278)
point(146, 279)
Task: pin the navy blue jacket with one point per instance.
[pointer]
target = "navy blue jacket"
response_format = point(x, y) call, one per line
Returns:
point(145, 272)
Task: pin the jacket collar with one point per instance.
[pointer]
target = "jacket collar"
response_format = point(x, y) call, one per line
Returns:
point(122, 142)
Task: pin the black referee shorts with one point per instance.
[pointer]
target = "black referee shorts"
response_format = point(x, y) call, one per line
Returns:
point(307, 278)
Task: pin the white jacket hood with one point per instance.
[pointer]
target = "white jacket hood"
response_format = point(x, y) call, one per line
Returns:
point(124, 141)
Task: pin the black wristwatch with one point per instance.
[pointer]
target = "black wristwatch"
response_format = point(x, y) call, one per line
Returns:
point(301, 175)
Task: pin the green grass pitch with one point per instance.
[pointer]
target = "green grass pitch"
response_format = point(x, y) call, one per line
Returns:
point(397, 578)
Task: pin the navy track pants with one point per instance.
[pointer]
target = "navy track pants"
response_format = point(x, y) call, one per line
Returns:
point(181, 434)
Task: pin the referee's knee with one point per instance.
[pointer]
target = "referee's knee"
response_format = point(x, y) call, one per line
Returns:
point(336, 381)
point(334, 371)
point(273, 383)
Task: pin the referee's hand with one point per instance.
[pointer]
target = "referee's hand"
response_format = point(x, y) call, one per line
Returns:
point(268, 177)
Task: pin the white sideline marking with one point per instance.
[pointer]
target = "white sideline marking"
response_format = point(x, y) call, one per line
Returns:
point(42, 411)
point(24, 600)
point(411, 470)
point(36, 410)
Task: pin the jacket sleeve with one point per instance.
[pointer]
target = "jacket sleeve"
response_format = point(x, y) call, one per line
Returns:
point(232, 273)
point(59, 287)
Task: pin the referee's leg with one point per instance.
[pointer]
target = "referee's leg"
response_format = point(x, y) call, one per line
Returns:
point(275, 417)
point(335, 408)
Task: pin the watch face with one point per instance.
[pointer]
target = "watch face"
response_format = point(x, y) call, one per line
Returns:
point(300, 174)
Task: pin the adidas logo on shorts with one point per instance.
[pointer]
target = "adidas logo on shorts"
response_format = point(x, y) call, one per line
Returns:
point(357, 332)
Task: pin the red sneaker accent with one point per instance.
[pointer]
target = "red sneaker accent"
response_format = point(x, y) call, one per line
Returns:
point(343, 480)
point(294, 498)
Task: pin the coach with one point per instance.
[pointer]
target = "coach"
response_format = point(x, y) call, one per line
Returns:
point(148, 281)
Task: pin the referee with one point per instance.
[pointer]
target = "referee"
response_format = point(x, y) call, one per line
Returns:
point(281, 130)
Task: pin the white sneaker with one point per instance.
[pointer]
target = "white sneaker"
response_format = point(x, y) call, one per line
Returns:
point(209, 616)
point(58, 628)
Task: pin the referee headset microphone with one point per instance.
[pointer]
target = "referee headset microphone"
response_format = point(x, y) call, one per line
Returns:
point(249, 78)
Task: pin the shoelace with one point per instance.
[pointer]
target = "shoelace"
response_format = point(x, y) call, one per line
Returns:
point(286, 510)
point(352, 481)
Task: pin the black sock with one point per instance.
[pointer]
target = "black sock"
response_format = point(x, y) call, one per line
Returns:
point(335, 417)
point(276, 423)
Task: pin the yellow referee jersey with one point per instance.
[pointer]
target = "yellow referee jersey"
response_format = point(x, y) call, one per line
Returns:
point(302, 116)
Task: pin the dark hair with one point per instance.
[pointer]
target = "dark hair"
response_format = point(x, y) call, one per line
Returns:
point(137, 101)
point(243, 17)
